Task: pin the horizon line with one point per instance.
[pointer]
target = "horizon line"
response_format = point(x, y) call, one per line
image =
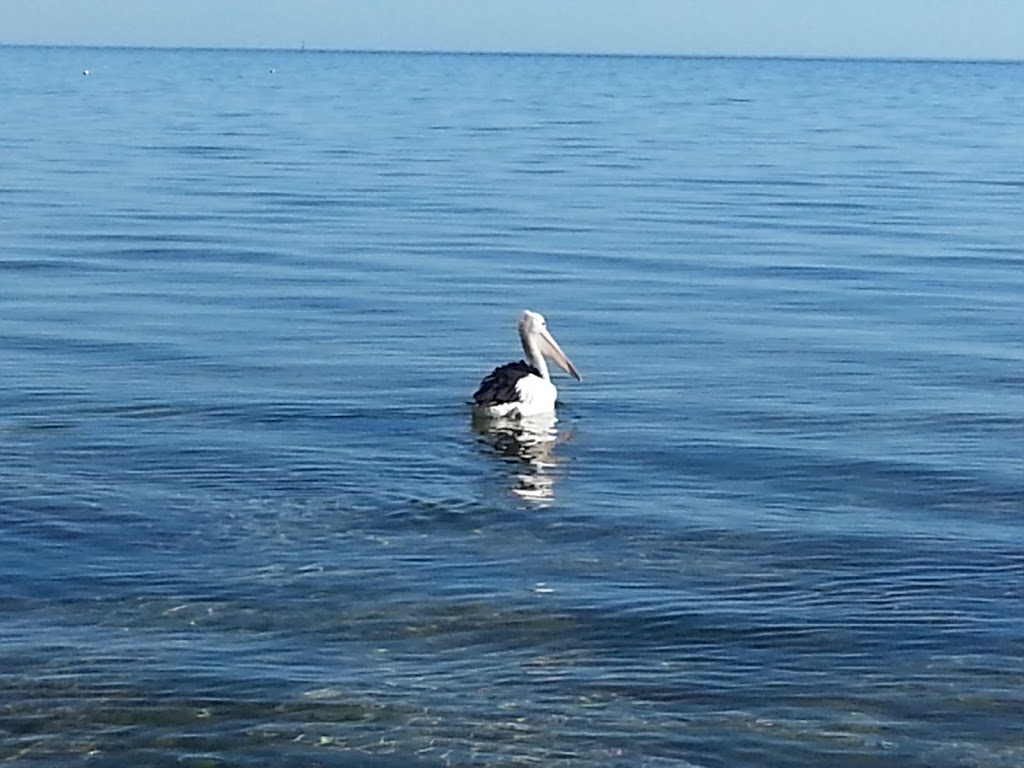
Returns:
point(526, 53)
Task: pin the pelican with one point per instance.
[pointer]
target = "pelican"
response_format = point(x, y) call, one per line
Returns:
point(523, 389)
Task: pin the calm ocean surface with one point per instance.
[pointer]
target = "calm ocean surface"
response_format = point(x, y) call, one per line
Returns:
point(245, 518)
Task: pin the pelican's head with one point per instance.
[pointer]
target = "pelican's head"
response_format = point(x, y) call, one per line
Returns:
point(533, 330)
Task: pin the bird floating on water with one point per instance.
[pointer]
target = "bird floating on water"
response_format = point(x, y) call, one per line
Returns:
point(523, 389)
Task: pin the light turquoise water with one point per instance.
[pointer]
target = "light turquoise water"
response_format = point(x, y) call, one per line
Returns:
point(245, 518)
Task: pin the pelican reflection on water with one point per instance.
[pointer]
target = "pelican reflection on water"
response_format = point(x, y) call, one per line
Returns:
point(528, 444)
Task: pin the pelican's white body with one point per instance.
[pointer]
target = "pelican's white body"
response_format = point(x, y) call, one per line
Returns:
point(534, 397)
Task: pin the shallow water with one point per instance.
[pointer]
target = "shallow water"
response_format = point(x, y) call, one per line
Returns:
point(246, 517)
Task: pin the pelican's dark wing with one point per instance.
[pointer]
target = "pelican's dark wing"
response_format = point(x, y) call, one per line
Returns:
point(499, 387)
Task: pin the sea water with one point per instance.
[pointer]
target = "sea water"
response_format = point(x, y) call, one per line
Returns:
point(246, 517)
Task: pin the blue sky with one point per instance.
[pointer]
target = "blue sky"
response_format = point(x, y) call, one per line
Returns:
point(888, 28)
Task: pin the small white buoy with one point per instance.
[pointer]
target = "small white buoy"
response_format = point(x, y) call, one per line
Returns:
point(86, 72)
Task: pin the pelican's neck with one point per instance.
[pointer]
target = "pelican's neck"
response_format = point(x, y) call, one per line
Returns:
point(535, 358)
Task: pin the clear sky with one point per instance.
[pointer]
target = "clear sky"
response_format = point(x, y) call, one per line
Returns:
point(984, 29)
